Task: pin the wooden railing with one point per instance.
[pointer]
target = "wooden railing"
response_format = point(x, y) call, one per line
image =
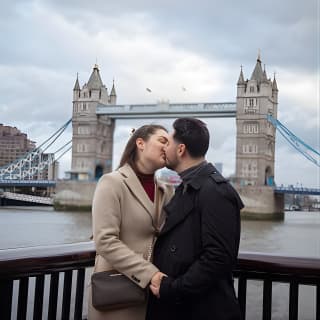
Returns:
point(58, 273)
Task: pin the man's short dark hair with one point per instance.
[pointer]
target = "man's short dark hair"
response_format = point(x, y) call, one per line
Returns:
point(194, 134)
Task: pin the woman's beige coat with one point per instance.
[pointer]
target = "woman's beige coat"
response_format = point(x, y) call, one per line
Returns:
point(123, 229)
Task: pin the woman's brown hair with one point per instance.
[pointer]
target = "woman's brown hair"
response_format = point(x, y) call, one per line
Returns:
point(130, 151)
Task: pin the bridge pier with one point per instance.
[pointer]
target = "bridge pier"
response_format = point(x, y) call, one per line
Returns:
point(261, 203)
point(74, 195)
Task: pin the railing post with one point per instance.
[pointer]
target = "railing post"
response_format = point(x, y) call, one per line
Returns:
point(242, 295)
point(66, 295)
point(318, 301)
point(23, 298)
point(38, 298)
point(6, 291)
point(79, 294)
point(293, 300)
point(53, 296)
point(267, 299)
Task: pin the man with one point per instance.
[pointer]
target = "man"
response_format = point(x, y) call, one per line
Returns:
point(198, 245)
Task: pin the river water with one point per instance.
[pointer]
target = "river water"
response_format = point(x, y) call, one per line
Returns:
point(297, 235)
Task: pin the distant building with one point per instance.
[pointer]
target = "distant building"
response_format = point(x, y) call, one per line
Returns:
point(14, 145)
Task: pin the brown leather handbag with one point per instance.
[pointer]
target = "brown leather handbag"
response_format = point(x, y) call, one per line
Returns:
point(113, 290)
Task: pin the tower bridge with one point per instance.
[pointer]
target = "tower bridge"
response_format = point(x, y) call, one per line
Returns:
point(95, 112)
point(255, 110)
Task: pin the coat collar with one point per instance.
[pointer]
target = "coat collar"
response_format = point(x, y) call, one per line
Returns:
point(178, 210)
point(198, 179)
point(135, 186)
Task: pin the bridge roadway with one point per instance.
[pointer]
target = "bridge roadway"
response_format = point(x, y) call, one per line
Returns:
point(52, 183)
point(49, 201)
point(27, 183)
point(298, 190)
point(165, 109)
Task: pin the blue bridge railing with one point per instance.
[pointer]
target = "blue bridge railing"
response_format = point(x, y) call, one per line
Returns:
point(297, 190)
point(27, 183)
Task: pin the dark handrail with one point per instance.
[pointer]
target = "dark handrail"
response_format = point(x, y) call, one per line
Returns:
point(270, 263)
point(35, 260)
point(31, 261)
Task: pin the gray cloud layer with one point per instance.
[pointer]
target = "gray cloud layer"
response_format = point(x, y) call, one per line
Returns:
point(165, 45)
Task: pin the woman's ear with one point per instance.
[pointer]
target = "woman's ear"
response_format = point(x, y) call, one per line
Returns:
point(140, 144)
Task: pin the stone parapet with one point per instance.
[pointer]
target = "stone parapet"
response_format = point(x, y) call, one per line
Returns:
point(261, 203)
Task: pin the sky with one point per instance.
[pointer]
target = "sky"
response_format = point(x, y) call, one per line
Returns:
point(166, 46)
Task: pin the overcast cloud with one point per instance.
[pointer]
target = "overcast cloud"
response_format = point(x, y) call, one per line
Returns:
point(165, 45)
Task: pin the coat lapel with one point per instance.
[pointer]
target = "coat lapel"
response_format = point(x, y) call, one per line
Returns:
point(135, 186)
point(177, 210)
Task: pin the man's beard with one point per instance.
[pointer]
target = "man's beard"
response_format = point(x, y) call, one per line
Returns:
point(172, 165)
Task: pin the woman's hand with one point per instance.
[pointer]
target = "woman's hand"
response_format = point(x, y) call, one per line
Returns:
point(155, 290)
point(156, 282)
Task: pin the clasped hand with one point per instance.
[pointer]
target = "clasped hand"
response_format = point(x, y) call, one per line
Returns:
point(155, 283)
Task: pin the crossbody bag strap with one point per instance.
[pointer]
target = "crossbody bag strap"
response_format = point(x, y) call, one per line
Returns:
point(155, 223)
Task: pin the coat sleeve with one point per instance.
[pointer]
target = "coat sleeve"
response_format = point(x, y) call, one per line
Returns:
point(106, 220)
point(220, 233)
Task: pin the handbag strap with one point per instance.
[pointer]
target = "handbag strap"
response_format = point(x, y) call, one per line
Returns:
point(150, 249)
point(155, 223)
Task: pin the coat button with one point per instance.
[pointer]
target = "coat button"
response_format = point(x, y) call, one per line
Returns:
point(173, 248)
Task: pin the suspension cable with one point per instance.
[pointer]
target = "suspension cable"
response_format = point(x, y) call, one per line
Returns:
point(64, 153)
point(296, 142)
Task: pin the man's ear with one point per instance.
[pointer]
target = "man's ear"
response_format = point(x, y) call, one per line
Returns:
point(181, 149)
point(140, 143)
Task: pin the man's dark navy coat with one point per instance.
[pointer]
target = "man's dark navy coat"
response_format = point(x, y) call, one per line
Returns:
point(198, 248)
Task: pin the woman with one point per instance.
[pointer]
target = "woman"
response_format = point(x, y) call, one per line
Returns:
point(126, 214)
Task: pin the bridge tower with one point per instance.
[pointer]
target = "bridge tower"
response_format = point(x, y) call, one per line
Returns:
point(255, 150)
point(255, 147)
point(92, 135)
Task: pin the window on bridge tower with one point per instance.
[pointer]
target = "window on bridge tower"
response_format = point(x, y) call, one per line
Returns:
point(84, 107)
point(251, 105)
point(269, 150)
point(251, 127)
point(81, 147)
